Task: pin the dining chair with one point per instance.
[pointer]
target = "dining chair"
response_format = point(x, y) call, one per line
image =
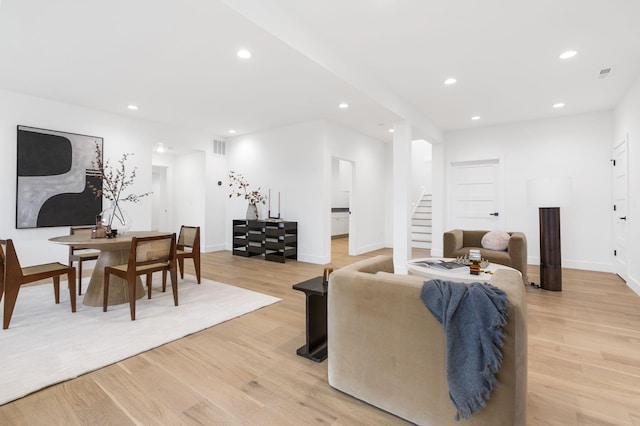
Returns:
point(188, 246)
point(146, 256)
point(14, 276)
point(81, 254)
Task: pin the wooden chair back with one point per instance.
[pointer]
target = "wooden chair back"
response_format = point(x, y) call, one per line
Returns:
point(189, 239)
point(79, 230)
point(150, 250)
point(81, 254)
point(146, 256)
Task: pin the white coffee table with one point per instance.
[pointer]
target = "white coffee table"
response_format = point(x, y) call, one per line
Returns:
point(461, 275)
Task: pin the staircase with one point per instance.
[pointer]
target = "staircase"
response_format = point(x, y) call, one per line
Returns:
point(421, 223)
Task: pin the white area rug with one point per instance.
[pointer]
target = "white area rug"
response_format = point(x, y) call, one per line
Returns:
point(47, 344)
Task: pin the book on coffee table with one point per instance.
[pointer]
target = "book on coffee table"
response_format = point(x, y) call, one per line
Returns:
point(440, 264)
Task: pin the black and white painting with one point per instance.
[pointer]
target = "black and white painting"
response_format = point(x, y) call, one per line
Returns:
point(55, 175)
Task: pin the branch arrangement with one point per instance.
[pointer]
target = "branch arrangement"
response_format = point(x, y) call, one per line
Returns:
point(114, 182)
point(239, 187)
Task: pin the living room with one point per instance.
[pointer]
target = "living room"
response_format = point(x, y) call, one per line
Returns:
point(293, 160)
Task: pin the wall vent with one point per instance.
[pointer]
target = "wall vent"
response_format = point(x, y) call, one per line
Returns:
point(604, 73)
point(219, 148)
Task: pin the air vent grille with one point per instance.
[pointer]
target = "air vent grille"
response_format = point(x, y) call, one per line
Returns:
point(604, 73)
point(219, 148)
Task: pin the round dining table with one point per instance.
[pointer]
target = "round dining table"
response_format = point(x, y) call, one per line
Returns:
point(113, 251)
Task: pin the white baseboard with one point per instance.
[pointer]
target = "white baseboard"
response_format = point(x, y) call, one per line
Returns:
point(634, 285)
point(367, 249)
point(215, 247)
point(579, 264)
point(318, 260)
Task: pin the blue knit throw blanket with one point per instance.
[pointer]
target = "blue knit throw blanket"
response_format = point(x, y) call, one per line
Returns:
point(472, 316)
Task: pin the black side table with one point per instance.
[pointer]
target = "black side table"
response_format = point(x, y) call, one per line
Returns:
point(316, 291)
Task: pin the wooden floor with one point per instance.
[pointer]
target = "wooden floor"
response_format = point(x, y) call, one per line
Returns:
point(584, 362)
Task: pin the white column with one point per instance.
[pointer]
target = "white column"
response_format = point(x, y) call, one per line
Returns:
point(401, 191)
point(439, 200)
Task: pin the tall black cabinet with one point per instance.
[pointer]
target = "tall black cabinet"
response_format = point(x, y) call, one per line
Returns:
point(275, 240)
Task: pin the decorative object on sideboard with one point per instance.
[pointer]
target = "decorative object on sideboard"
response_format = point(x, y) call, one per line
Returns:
point(240, 188)
point(269, 214)
point(549, 194)
point(115, 182)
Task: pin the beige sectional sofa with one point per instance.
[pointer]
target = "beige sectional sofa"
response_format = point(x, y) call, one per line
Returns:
point(387, 349)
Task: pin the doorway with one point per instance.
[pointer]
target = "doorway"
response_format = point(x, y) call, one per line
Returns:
point(620, 208)
point(476, 190)
point(159, 199)
point(342, 172)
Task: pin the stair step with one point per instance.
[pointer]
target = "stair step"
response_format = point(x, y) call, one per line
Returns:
point(421, 234)
point(421, 229)
point(422, 240)
point(421, 222)
point(421, 244)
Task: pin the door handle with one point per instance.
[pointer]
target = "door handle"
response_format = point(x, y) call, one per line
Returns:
point(623, 218)
point(494, 214)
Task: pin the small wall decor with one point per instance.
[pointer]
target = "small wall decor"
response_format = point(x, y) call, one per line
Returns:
point(55, 178)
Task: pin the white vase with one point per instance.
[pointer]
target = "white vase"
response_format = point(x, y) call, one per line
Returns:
point(252, 212)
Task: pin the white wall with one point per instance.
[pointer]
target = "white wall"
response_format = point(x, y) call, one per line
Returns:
point(339, 197)
point(368, 217)
point(627, 124)
point(578, 146)
point(189, 192)
point(421, 169)
point(296, 161)
point(289, 160)
point(121, 135)
point(217, 197)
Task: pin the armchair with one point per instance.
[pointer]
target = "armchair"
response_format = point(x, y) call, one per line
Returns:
point(458, 242)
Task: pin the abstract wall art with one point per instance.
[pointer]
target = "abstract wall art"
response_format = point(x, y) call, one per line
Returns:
point(54, 178)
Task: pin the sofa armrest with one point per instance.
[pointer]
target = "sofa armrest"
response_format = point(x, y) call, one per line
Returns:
point(518, 253)
point(452, 241)
point(384, 346)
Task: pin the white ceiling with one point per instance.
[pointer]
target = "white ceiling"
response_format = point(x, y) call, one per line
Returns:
point(176, 60)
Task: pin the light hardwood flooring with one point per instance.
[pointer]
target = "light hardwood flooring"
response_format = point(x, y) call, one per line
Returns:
point(584, 362)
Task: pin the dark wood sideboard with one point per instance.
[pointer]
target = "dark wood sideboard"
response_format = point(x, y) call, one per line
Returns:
point(274, 240)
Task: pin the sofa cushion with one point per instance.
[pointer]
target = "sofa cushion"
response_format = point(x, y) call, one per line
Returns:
point(496, 240)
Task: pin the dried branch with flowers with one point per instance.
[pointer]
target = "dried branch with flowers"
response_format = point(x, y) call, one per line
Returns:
point(239, 188)
point(114, 182)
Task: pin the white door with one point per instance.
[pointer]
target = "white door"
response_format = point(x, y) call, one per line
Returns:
point(620, 208)
point(160, 204)
point(475, 195)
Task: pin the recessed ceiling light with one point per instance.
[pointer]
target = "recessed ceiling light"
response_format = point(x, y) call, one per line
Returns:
point(568, 54)
point(450, 81)
point(343, 105)
point(232, 131)
point(133, 107)
point(160, 149)
point(475, 117)
point(391, 130)
point(244, 54)
point(558, 105)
